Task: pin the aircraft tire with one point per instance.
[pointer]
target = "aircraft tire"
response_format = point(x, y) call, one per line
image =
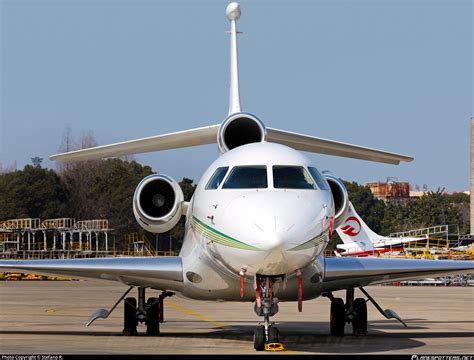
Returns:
point(338, 317)
point(273, 335)
point(153, 317)
point(359, 323)
point(259, 338)
point(130, 321)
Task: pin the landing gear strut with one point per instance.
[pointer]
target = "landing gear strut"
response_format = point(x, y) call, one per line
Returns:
point(149, 312)
point(266, 305)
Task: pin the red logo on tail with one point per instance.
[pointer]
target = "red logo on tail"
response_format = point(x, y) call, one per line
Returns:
point(351, 229)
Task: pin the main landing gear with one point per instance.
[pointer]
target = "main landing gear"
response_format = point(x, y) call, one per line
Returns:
point(354, 312)
point(149, 312)
point(135, 312)
point(266, 305)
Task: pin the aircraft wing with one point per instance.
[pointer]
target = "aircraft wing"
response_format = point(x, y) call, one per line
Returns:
point(351, 272)
point(330, 147)
point(163, 273)
point(181, 139)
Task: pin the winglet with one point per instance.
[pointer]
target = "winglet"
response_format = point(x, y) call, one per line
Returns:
point(233, 14)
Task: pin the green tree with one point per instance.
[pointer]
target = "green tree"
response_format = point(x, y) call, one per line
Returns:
point(432, 209)
point(32, 193)
point(36, 161)
point(104, 190)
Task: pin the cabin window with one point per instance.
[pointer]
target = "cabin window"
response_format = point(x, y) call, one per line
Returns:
point(320, 180)
point(292, 177)
point(216, 178)
point(247, 177)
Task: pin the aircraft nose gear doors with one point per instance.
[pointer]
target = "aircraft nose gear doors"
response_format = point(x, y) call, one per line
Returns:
point(266, 305)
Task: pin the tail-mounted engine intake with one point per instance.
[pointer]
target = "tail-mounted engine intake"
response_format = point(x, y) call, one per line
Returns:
point(240, 129)
point(341, 199)
point(157, 203)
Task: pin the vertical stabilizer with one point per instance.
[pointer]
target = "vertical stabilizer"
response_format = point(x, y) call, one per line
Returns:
point(233, 14)
point(355, 232)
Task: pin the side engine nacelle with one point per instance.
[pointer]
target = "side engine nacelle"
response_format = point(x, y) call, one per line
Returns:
point(157, 203)
point(341, 199)
point(240, 129)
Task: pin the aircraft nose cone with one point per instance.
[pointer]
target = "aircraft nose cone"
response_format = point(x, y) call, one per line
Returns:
point(273, 226)
point(272, 242)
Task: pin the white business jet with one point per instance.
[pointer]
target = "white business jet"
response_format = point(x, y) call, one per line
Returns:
point(256, 227)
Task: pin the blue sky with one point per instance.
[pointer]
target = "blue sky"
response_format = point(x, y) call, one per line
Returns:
point(394, 75)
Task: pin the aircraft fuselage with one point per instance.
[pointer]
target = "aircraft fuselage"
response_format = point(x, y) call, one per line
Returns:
point(263, 229)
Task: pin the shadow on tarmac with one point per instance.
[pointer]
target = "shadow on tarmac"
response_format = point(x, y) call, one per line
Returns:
point(301, 336)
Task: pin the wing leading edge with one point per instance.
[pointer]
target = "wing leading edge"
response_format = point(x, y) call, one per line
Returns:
point(163, 273)
point(351, 272)
point(335, 148)
point(181, 139)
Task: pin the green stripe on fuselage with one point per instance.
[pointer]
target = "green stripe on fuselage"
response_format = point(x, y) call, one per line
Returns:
point(318, 240)
point(219, 237)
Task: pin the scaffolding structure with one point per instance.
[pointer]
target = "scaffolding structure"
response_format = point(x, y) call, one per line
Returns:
point(65, 238)
point(139, 245)
point(436, 242)
point(60, 238)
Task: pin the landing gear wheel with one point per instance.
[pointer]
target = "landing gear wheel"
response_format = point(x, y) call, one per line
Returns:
point(273, 335)
point(338, 317)
point(130, 321)
point(359, 323)
point(259, 338)
point(153, 317)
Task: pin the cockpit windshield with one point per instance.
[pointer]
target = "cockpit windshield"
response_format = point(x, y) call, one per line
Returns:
point(247, 177)
point(320, 180)
point(292, 177)
point(216, 178)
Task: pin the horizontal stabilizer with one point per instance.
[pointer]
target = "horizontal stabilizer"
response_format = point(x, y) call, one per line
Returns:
point(200, 136)
point(330, 147)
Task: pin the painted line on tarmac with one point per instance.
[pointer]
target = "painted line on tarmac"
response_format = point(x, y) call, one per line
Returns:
point(194, 314)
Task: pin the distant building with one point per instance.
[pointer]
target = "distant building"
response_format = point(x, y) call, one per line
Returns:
point(418, 194)
point(390, 190)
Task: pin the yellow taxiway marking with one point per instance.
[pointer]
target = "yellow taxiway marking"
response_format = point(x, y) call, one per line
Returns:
point(194, 314)
point(55, 312)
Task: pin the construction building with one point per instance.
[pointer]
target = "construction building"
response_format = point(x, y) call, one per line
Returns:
point(390, 190)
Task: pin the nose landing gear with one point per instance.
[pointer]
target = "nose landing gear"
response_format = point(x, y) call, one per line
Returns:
point(266, 305)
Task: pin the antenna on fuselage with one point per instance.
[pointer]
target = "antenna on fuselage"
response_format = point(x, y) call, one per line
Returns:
point(233, 14)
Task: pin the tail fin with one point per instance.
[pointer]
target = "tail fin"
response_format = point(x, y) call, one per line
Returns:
point(355, 234)
point(233, 14)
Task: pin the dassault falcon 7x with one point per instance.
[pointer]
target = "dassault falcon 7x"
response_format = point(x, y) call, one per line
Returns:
point(256, 228)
